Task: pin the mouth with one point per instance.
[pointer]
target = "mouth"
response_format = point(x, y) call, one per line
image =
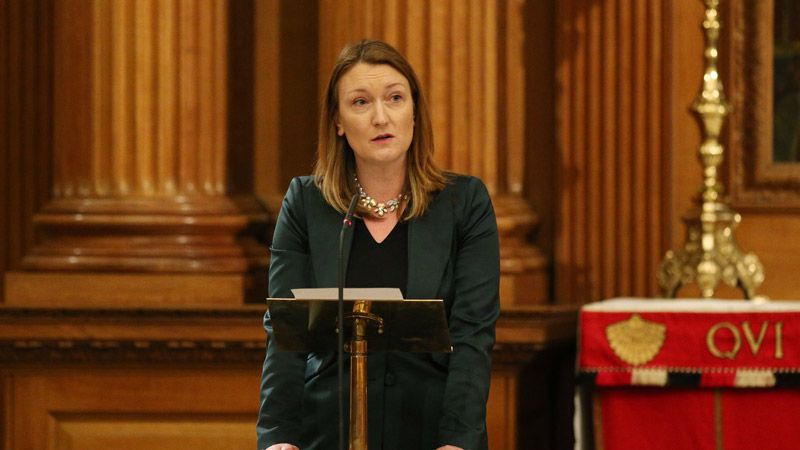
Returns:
point(382, 138)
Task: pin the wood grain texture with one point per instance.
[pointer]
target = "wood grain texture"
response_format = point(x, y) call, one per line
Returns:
point(5, 259)
point(159, 371)
point(141, 178)
point(612, 169)
point(286, 120)
point(26, 42)
point(503, 403)
point(151, 408)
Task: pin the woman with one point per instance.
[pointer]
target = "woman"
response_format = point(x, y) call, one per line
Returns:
point(431, 234)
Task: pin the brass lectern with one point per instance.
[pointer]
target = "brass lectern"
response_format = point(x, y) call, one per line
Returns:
point(386, 325)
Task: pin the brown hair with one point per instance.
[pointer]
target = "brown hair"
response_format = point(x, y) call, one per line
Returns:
point(335, 166)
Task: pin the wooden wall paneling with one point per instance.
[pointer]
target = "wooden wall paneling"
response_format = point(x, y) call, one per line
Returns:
point(607, 195)
point(685, 53)
point(144, 106)
point(146, 169)
point(300, 107)
point(167, 138)
point(6, 385)
point(416, 33)
point(540, 120)
point(266, 100)
point(29, 124)
point(624, 158)
point(501, 424)
point(639, 243)
point(43, 170)
point(126, 409)
point(188, 98)
point(15, 97)
point(523, 267)
point(5, 117)
point(658, 184)
point(439, 83)
point(597, 115)
point(561, 267)
point(25, 136)
point(514, 101)
point(286, 117)
point(611, 169)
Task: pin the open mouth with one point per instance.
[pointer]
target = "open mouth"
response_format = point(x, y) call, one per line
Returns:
point(382, 138)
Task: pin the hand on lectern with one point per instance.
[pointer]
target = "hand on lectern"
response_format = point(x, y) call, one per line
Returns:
point(282, 447)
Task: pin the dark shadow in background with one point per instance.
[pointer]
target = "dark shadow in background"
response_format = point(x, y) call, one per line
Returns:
point(241, 89)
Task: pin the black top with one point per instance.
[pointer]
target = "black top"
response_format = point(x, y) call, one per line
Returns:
point(378, 265)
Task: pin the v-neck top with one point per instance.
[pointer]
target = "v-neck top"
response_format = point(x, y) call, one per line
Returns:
point(372, 264)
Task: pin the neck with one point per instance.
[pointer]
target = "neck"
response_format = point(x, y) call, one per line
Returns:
point(382, 184)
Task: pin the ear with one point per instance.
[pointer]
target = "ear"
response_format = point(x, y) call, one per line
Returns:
point(339, 129)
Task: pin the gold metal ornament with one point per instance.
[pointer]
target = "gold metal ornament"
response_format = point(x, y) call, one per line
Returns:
point(710, 253)
point(635, 340)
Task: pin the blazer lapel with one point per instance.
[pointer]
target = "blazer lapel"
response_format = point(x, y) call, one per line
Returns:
point(324, 243)
point(429, 244)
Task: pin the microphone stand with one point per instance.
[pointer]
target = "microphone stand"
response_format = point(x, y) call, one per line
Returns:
point(346, 223)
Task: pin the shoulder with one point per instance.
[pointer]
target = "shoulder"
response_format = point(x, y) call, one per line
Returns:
point(466, 189)
point(305, 182)
point(302, 189)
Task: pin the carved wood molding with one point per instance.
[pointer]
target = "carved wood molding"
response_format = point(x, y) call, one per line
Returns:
point(131, 335)
point(214, 335)
point(756, 182)
point(115, 351)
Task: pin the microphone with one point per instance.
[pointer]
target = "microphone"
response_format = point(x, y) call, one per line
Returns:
point(349, 216)
point(346, 223)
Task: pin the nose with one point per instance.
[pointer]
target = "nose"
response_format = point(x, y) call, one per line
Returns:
point(379, 116)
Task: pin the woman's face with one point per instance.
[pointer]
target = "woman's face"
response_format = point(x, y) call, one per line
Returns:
point(376, 114)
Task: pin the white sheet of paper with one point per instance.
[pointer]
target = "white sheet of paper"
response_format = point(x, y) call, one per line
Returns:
point(349, 294)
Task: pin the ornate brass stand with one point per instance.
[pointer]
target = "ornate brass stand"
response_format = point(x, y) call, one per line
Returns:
point(710, 254)
point(363, 324)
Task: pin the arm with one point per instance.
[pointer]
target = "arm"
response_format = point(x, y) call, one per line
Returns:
point(475, 308)
point(282, 377)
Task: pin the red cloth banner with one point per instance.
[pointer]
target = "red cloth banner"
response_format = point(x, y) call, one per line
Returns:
point(691, 374)
point(730, 343)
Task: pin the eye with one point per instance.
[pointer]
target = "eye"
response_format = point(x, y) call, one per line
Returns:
point(396, 98)
point(359, 102)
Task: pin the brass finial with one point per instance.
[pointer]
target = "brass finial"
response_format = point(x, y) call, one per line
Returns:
point(710, 253)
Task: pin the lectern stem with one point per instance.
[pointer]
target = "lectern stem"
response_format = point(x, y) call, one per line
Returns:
point(358, 402)
point(358, 380)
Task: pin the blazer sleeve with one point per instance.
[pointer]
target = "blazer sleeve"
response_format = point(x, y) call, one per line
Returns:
point(474, 312)
point(282, 378)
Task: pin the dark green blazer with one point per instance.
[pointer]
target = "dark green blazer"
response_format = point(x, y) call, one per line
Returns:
point(416, 400)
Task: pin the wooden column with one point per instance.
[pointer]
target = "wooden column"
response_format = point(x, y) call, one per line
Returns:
point(469, 58)
point(613, 169)
point(149, 201)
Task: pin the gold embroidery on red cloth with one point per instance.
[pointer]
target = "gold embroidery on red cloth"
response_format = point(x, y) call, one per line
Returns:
point(635, 340)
